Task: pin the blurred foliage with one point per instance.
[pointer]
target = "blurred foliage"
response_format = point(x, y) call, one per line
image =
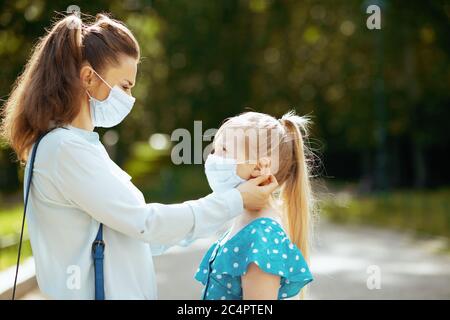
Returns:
point(10, 224)
point(8, 256)
point(207, 60)
point(144, 161)
point(423, 212)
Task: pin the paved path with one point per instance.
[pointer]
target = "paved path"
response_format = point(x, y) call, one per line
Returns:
point(409, 268)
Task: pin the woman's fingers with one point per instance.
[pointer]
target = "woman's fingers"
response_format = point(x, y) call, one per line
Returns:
point(271, 185)
point(255, 194)
point(259, 180)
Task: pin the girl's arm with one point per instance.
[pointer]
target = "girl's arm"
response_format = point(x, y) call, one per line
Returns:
point(259, 285)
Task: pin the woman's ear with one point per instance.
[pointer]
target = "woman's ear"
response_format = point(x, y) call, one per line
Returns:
point(262, 167)
point(87, 77)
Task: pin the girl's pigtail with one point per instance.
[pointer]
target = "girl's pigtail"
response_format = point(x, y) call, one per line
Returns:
point(296, 194)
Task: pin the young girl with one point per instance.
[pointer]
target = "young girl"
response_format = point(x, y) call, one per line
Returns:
point(264, 255)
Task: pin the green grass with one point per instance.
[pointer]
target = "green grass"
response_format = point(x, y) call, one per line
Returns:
point(10, 224)
point(10, 219)
point(423, 212)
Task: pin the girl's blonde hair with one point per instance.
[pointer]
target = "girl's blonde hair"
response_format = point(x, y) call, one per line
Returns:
point(294, 165)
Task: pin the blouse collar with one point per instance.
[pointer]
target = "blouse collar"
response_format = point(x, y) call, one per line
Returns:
point(90, 136)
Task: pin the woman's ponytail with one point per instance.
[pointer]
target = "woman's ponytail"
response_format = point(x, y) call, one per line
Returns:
point(47, 91)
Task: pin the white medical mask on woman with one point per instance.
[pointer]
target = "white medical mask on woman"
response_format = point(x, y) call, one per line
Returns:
point(221, 173)
point(111, 111)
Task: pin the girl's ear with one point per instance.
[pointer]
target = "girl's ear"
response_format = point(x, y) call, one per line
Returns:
point(262, 167)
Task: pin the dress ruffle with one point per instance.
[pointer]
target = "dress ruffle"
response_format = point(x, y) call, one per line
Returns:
point(263, 242)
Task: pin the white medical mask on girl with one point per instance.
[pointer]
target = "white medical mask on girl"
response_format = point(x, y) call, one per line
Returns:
point(221, 173)
point(111, 111)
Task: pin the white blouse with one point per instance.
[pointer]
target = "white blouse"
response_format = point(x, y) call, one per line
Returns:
point(75, 187)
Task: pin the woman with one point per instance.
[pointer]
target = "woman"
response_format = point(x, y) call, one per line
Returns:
point(80, 77)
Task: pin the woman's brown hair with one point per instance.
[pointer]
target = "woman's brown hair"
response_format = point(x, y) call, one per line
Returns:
point(48, 93)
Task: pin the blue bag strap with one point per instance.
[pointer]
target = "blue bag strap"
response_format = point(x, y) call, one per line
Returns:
point(98, 249)
point(27, 192)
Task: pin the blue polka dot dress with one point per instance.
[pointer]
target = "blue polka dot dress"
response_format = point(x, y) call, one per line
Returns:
point(263, 242)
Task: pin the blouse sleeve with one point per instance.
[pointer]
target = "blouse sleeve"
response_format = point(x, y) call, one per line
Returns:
point(84, 177)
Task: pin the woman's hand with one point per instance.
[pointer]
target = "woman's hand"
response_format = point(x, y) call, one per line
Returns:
point(256, 192)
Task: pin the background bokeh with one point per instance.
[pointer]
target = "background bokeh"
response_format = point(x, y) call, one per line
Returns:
point(379, 99)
